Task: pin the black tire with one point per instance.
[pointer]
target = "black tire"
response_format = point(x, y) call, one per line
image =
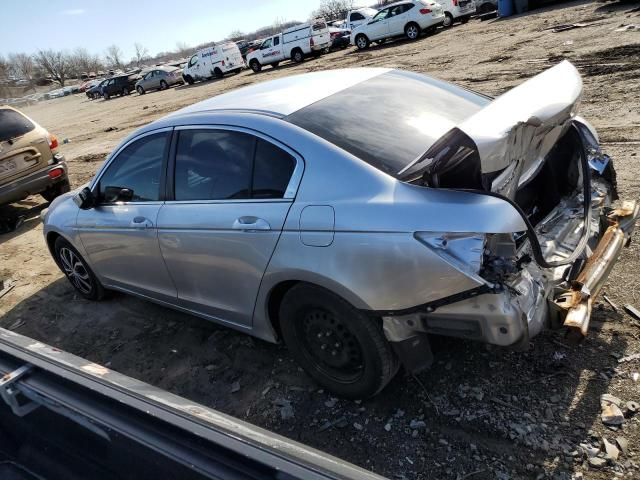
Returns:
point(275, 65)
point(163, 85)
point(188, 79)
point(362, 42)
point(464, 20)
point(140, 90)
point(56, 190)
point(125, 91)
point(448, 20)
point(412, 31)
point(255, 66)
point(77, 271)
point(297, 56)
point(344, 350)
point(106, 96)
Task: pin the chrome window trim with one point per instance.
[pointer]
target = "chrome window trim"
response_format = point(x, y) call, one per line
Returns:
point(294, 182)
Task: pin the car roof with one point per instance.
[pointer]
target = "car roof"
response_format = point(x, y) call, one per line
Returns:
point(286, 95)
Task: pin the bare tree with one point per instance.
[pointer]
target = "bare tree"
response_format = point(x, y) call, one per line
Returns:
point(22, 66)
point(236, 35)
point(141, 54)
point(114, 56)
point(334, 9)
point(55, 63)
point(183, 49)
point(4, 68)
point(84, 62)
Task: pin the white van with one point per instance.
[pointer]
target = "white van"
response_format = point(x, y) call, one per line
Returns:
point(213, 62)
point(294, 43)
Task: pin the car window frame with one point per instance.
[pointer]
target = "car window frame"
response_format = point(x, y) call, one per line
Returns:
point(163, 169)
point(290, 192)
point(373, 19)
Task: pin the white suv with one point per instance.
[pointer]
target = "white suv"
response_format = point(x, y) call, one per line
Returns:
point(408, 18)
point(457, 11)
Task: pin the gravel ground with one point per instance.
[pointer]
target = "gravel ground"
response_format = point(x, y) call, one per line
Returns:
point(480, 412)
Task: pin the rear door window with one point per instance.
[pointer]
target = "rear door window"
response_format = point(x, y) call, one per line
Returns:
point(272, 171)
point(276, 41)
point(213, 165)
point(356, 16)
point(13, 125)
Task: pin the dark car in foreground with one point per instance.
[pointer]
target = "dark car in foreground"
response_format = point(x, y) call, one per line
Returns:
point(300, 209)
point(120, 85)
point(29, 159)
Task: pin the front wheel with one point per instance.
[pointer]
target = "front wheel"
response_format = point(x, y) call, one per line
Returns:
point(125, 91)
point(362, 42)
point(344, 350)
point(448, 20)
point(163, 85)
point(189, 79)
point(140, 90)
point(218, 73)
point(412, 31)
point(106, 96)
point(77, 271)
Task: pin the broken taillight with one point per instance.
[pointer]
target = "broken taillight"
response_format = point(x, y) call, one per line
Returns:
point(53, 141)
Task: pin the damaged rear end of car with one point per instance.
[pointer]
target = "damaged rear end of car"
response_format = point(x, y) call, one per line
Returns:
point(527, 148)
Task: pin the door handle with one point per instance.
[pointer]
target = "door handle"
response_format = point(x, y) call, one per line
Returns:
point(251, 223)
point(32, 157)
point(141, 222)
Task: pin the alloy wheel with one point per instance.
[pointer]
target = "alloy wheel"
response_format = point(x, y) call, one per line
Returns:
point(75, 270)
point(412, 32)
point(362, 42)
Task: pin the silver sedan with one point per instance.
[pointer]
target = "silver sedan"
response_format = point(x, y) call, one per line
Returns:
point(352, 213)
point(160, 78)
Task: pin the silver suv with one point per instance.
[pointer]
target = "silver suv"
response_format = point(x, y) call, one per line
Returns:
point(354, 212)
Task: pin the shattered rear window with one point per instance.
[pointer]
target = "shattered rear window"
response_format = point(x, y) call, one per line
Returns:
point(13, 125)
point(389, 120)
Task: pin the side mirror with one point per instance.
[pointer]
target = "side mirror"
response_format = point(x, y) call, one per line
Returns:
point(84, 199)
point(117, 194)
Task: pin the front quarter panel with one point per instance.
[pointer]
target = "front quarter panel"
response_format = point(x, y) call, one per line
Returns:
point(61, 219)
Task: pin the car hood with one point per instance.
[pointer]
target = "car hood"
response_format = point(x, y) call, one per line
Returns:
point(513, 134)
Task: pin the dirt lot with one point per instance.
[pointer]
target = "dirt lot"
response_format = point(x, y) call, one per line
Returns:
point(481, 412)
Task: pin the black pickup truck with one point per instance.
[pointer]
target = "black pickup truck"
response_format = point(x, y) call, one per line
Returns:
point(66, 418)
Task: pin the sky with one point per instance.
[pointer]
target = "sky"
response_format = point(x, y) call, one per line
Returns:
point(158, 24)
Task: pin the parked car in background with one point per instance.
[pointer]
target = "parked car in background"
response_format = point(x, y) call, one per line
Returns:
point(355, 18)
point(352, 229)
point(243, 46)
point(29, 160)
point(408, 18)
point(96, 91)
point(159, 78)
point(340, 38)
point(457, 11)
point(486, 6)
point(119, 85)
point(213, 62)
point(293, 44)
point(84, 86)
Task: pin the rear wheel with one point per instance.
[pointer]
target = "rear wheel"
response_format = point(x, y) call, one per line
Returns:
point(163, 85)
point(218, 73)
point(106, 96)
point(297, 56)
point(56, 190)
point(362, 42)
point(255, 65)
point(412, 31)
point(125, 91)
point(140, 90)
point(344, 350)
point(77, 271)
point(448, 20)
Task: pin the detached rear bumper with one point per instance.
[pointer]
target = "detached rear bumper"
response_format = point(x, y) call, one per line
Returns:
point(574, 304)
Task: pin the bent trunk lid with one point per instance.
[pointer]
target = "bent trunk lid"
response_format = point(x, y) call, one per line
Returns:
point(511, 135)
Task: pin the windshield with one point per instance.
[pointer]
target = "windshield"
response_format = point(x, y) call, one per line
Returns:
point(389, 120)
point(368, 12)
